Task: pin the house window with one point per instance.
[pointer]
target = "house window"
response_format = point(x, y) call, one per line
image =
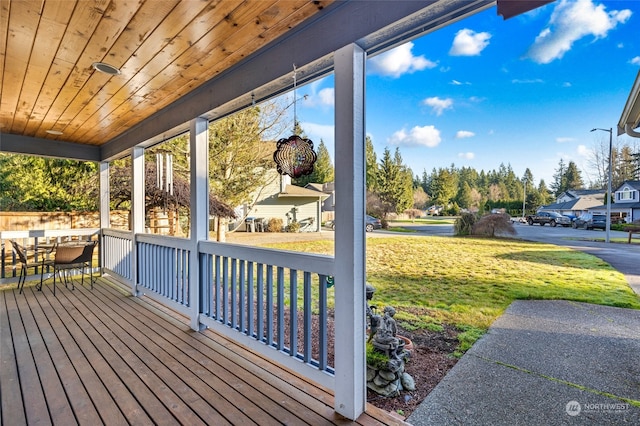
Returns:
point(626, 195)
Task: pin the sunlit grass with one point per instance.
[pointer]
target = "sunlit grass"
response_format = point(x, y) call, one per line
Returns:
point(469, 282)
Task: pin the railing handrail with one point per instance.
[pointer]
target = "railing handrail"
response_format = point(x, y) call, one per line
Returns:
point(165, 241)
point(321, 264)
point(48, 233)
point(119, 233)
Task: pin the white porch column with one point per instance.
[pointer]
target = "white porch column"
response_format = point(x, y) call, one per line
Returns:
point(199, 148)
point(350, 357)
point(105, 208)
point(137, 209)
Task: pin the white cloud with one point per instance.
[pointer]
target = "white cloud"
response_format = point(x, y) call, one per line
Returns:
point(583, 151)
point(399, 61)
point(427, 136)
point(469, 43)
point(566, 84)
point(438, 105)
point(326, 96)
point(571, 21)
point(467, 155)
point(459, 83)
point(313, 95)
point(315, 132)
point(564, 140)
point(635, 61)
point(461, 134)
point(529, 81)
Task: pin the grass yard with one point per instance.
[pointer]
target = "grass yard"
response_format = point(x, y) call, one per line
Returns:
point(469, 282)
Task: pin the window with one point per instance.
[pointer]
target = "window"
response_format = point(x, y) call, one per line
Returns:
point(626, 194)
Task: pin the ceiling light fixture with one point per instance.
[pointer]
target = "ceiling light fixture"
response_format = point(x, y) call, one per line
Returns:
point(105, 68)
point(54, 132)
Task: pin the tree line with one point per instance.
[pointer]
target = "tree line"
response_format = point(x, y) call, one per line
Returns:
point(239, 158)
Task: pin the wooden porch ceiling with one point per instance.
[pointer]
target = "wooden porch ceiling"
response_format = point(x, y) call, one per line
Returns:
point(178, 59)
point(102, 357)
point(164, 49)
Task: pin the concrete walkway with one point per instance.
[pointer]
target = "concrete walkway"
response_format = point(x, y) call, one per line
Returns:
point(549, 363)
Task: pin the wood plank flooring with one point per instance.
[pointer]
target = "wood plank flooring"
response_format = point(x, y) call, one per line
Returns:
point(100, 356)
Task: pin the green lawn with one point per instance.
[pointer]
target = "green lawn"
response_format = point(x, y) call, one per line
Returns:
point(469, 282)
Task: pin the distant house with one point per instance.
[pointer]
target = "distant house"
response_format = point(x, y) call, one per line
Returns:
point(575, 194)
point(329, 204)
point(574, 207)
point(281, 200)
point(626, 205)
point(574, 202)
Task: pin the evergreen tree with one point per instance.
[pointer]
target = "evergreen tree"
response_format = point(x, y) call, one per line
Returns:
point(395, 183)
point(559, 184)
point(573, 177)
point(323, 170)
point(443, 187)
point(371, 165)
point(465, 198)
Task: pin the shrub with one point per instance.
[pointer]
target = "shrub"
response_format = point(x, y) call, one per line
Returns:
point(452, 210)
point(274, 225)
point(384, 223)
point(494, 224)
point(293, 227)
point(464, 224)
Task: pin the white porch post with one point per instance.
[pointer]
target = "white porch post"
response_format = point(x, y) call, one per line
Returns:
point(137, 209)
point(350, 357)
point(199, 148)
point(105, 208)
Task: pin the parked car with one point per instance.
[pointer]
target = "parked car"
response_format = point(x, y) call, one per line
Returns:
point(590, 221)
point(370, 223)
point(552, 218)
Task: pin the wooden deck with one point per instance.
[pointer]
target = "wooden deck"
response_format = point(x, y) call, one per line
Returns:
point(102, 357)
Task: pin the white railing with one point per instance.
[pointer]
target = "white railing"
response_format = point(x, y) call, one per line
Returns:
point(117, 249)
point(163, 268)
point(277, 300)
point(32, 241)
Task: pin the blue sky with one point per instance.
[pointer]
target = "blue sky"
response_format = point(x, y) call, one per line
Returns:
point(485, 91)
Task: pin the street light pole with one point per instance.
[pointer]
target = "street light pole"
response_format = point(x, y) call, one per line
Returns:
point(524, 196)
point(609, 197)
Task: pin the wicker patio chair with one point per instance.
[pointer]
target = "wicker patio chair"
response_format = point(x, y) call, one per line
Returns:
point(23, 259)
point(72, 256)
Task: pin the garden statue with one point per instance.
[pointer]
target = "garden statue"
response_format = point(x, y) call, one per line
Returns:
point(385, 339)
point(373, 318)
point(388, 378)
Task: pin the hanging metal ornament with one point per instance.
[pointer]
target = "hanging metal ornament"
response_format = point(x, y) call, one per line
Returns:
point(294, 155)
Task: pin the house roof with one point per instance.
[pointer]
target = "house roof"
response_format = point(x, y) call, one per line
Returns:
point(314, 186)
point(178, 60)
point(635, 184)
point(583, 203)
point(577, 193)
point(293, 191)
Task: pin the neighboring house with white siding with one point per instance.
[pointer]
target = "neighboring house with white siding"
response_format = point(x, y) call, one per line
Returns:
point(282, 200)
point(626, 201)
